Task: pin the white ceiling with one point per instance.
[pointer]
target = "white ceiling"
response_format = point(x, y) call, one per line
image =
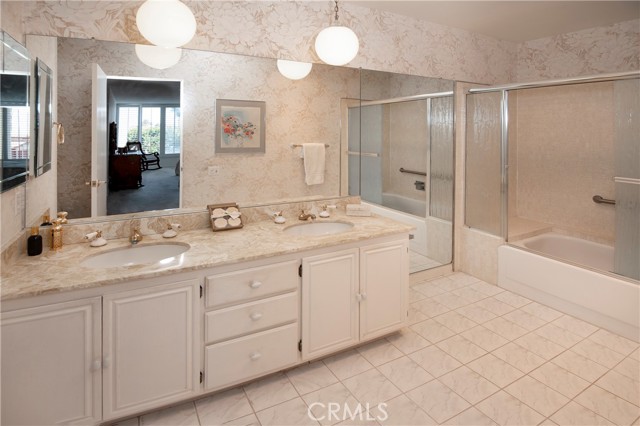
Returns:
point(515, 21)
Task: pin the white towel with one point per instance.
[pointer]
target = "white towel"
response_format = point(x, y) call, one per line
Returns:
point(313, 156)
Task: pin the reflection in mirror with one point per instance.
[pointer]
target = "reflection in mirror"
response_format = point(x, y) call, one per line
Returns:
point(43, 122)
point(144, 145)
point(306, 110)
point(401, 158)
point(15, 129)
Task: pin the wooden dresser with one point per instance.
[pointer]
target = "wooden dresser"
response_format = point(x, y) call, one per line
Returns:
point(125, 171)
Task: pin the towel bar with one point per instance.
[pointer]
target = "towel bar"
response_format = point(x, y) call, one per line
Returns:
point(297, 145)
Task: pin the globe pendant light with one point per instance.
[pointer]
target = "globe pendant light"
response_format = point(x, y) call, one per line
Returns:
point(337, 45)
point(293, 70)
point(166, 23)
point(158, 57)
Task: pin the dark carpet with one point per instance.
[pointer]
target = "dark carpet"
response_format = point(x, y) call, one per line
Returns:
point(161, 191)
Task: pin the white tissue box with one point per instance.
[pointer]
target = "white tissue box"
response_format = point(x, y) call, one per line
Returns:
point(358, 210)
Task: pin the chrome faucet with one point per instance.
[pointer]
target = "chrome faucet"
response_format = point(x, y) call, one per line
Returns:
point(135, 237)
point(306, 216)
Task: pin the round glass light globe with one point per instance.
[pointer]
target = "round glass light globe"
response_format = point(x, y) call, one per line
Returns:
point(294, 70)
point(337, 45)
point(158, 57)
point(166, 23)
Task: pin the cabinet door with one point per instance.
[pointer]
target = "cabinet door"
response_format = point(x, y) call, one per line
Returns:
point(329, 304)
point(51, 364)
point(384, 285)
point(149, 347)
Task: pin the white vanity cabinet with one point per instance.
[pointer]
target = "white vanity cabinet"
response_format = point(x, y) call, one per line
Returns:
point(251, 321)
point(150, 348)
point(353, 295)
point(51, 359)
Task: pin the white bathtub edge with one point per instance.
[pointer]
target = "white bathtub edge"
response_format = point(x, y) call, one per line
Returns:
point(599, 299)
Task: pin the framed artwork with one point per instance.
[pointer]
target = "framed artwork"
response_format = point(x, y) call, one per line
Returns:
point(240, 127)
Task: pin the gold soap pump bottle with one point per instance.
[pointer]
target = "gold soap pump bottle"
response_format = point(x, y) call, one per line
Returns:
point(56, 234)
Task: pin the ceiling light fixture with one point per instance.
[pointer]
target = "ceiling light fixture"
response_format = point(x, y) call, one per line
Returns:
point(294, 70)
point(337, 45)
point(158, 57)
point(166, 23)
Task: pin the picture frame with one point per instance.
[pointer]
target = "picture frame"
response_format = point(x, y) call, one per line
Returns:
point(240, 126)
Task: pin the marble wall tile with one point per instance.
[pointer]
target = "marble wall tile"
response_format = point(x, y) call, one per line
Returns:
point(565, 156)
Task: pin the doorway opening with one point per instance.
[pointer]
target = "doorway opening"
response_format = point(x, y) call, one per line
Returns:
point(145, 144)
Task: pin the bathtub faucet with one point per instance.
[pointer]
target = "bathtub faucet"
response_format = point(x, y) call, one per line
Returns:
point(419, 185)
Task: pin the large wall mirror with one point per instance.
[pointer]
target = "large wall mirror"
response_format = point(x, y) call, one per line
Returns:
point(43, 122)
point(327, 106)
point(15, 113)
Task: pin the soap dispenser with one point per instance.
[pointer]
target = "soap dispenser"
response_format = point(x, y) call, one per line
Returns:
point(34, 242)
point(56, 235)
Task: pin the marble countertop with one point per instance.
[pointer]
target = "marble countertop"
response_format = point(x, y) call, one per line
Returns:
point(62, 270)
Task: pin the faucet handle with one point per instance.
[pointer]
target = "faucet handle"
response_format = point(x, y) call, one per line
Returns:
point(171, 230)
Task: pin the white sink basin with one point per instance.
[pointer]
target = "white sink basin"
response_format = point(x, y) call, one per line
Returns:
point(318, 228)
point(138, 255)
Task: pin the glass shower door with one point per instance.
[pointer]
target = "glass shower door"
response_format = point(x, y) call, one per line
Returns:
point(370, 152)
point(627, 179)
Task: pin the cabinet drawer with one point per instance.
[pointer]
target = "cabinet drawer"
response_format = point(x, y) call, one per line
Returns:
point(240, 359)
point(250, 317)
point(251, 284)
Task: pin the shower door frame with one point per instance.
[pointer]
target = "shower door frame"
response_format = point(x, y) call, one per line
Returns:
point(504, 125)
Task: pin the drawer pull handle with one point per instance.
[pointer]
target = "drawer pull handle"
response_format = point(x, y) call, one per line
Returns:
point(255, 284)
point(255, 356)
point(255, 316)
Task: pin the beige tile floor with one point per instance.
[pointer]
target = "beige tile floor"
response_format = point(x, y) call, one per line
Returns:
point(473, 355)
point(418, 262)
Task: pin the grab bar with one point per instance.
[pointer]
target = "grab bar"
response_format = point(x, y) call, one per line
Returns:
point(598, 199)
point(364, 154)
point(413, 172)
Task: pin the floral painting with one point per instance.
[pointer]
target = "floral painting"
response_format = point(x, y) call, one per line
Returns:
point(240, 126)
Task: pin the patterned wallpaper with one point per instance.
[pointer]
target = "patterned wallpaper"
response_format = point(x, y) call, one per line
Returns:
point(615, 48)
point(286, 29)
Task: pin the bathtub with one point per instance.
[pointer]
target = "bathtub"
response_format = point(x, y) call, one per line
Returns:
point(545, 268)
point(406, 210)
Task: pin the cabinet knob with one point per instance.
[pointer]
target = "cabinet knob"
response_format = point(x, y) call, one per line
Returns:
point(255, 316)
point(255, 356)
point(255, 284)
